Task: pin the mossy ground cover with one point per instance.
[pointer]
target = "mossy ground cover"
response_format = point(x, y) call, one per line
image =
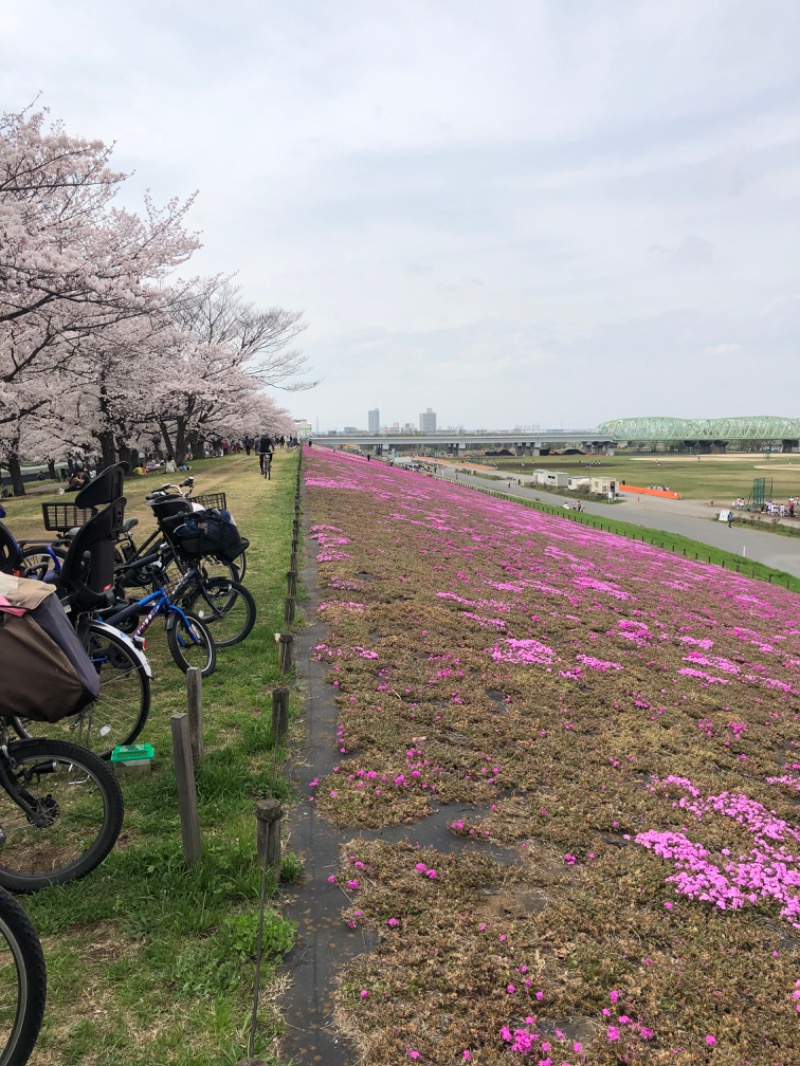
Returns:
point(672, 542)
point(613, 730)
point(150, 962)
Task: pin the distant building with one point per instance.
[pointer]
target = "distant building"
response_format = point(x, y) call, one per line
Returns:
point(374, 420)
point(302, 429)
point(351, 430)
point(427, 421)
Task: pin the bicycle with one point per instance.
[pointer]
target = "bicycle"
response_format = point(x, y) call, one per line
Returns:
point(167, 503)
point(219, 601)
point(121, 709)
point(61, 811)
point(23, 983)
point(188, 639)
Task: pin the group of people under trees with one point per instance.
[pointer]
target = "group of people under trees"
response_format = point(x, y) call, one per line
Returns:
point(77, 475)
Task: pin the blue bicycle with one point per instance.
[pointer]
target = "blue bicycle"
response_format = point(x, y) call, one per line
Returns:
point(188, 639)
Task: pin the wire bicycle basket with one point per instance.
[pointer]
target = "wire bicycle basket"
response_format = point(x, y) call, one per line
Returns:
point(211, 500)
point(61, 517)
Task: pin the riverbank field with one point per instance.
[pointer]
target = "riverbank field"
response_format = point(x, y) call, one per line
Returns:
point(707, 477)
point(611, 733)
point(151, 963)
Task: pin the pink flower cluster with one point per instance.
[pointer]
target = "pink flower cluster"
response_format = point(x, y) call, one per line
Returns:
point(768, 872)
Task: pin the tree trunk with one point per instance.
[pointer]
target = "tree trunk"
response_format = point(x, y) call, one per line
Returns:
point(127, 455)
point(15, 470)
point(107, 450)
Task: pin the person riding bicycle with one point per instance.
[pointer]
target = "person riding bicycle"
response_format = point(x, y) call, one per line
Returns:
point(264, 451)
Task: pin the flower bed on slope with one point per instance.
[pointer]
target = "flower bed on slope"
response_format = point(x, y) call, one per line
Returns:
point(615, 732)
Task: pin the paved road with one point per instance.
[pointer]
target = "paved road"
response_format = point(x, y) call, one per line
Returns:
point(690, 518)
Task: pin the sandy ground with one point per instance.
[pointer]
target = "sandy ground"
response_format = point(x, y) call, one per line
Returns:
point(740, 457)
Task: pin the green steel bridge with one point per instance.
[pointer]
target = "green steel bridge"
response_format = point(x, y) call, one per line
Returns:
point(748, 428)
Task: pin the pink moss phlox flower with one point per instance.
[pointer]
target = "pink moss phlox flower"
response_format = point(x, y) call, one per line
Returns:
point(602, 665)
point(768, 872)
point(522, 651)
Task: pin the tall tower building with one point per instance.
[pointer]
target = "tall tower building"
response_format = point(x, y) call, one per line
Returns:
point(374, 421)
point(427, 421)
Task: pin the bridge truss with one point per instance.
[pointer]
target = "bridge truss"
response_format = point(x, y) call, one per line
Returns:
point(749, 428)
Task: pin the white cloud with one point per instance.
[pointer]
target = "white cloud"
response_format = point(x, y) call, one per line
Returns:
point(498, 210)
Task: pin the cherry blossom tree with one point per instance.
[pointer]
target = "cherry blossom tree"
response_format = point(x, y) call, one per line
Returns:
point(72, 265)
point(261, 341)
point(101, 346)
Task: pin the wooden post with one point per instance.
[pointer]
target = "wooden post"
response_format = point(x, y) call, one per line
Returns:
point(194, 685)
point(280, 711)
point(187, 794)
point(285, 642)
point(269, 814)
point(291, 579)
point(288, 610)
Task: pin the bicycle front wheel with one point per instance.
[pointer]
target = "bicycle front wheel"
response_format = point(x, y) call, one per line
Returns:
point(23, 983)
point(77, 801)
point(226, 607)
point(119, 713)
point(190, 643)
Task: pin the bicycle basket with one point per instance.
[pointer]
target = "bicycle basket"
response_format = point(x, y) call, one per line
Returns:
point(60, 517)
point(211, 499)
point(209, 534)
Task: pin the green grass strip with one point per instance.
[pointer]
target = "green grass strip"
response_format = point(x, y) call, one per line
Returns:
point(150, 962)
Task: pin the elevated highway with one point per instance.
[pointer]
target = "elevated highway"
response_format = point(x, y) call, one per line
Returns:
point(694, 434)
point(453, 441)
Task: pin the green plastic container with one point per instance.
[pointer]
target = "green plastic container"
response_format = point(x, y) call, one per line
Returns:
point(125, 753)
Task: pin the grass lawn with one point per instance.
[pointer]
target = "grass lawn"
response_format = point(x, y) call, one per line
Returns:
point(709, 477)
point(151, 963)
point(611, 733)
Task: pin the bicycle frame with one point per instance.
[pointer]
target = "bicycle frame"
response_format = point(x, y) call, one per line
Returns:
point(162, 603)
point(36, 817)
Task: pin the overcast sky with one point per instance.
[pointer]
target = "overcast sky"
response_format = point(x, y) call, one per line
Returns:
point(551, 212)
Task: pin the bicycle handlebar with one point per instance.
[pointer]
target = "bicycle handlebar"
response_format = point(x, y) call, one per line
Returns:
point(176, 489)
